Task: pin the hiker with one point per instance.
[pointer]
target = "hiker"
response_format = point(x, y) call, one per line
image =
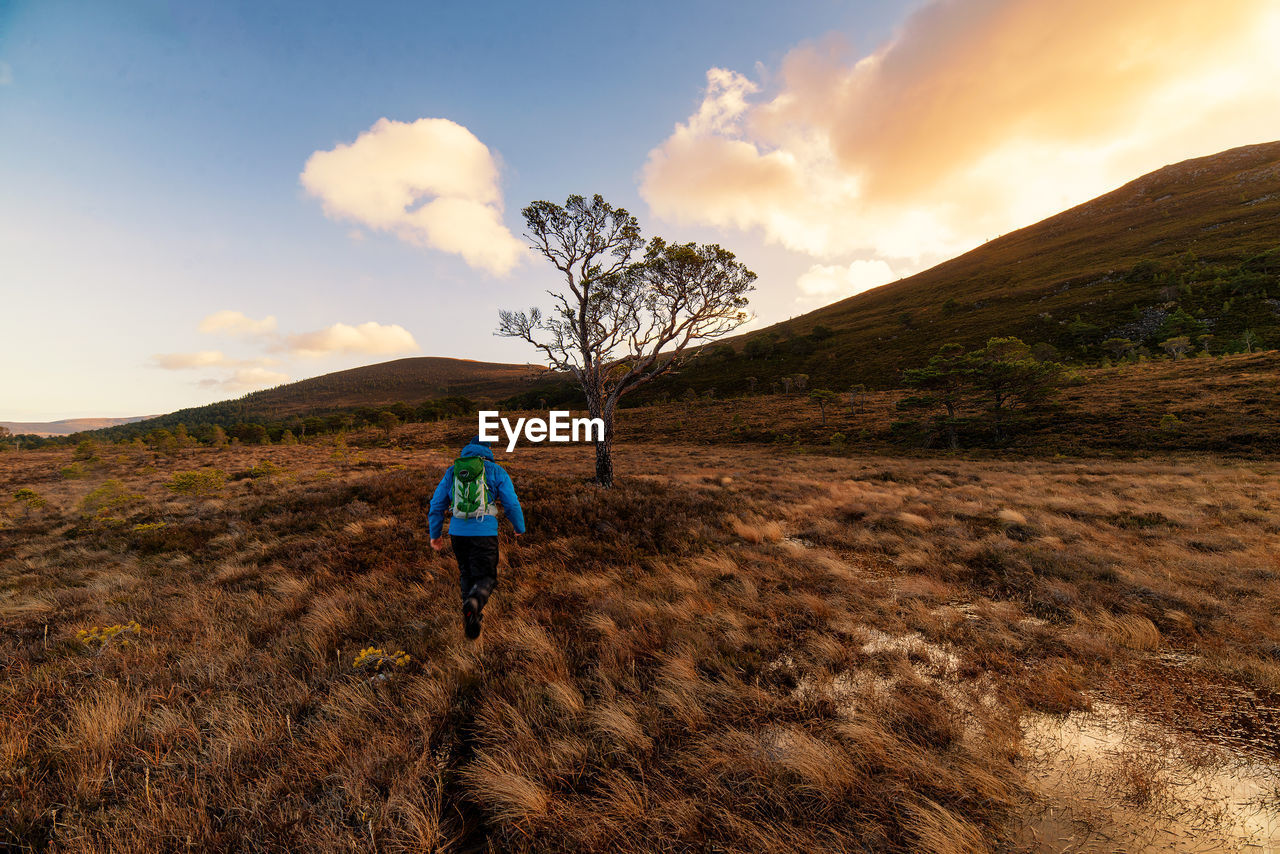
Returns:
point(470, 486)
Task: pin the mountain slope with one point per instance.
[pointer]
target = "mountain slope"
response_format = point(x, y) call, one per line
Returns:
point(1190, 236)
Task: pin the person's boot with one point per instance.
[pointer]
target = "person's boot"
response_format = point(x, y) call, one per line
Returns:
point(471, 617)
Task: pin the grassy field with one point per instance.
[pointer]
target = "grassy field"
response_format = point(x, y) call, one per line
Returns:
point(739, 648)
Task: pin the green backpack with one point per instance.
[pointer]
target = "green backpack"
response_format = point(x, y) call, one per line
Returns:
point(470, 491)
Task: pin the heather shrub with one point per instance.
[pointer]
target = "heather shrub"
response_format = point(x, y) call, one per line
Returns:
point(200, 482)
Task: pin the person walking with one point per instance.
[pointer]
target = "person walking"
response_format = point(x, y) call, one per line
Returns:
point(474, 487)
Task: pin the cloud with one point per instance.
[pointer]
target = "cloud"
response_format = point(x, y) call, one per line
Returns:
point(188, 361)
point(247, 379)
point(824, 283)
point(236, 323)
point(430, 182)
point(368, 338)
point(255, 373)
point(978, 117)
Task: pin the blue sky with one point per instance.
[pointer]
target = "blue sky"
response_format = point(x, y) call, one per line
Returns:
point(151, 153)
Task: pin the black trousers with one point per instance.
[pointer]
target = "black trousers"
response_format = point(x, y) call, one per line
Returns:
point(477, 566)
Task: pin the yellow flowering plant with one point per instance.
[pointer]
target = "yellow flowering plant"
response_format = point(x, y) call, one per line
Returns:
point(378, 664)
point(101, 637)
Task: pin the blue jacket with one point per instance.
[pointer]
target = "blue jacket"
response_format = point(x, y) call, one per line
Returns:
point(500, 486)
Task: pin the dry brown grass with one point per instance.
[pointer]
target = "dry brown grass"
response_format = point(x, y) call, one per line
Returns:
point(763, 652)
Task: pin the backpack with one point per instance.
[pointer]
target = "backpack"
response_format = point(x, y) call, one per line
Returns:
point(471, 498)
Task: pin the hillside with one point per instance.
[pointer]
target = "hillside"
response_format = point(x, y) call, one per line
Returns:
point(410, 381)
point(66, 426)
point(1193, 248)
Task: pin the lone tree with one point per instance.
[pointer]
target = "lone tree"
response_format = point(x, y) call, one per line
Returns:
point(388, 421)
point(824, 398)
point(1119, 348)
point(1177, 347)
point(1008, 379)
point(944, 383)
point(856, 391)
point(624, 320)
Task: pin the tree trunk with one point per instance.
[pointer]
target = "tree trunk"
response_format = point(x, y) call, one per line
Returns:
point(604, 447)
point(604, 460)
point(952, 439)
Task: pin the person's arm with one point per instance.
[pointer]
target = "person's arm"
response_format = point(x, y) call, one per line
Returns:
point(507, 498)
point(439, 504)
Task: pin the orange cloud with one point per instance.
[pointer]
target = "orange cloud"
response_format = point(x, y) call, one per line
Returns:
point(247, 379)
point(188, 361)
point(236, 323)
point(978, 117)
point(368, 338)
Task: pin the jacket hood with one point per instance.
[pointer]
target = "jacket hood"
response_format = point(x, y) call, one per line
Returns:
point(476, 448)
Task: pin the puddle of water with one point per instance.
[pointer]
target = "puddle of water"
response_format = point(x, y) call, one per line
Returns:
point(913, 646)
point(1107, 782)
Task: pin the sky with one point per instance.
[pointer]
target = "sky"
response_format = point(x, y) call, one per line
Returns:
point(198, 200)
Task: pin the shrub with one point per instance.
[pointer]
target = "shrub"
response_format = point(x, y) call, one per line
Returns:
point(1171, 423)
point(75, 471)
point(101, 638)
point(29, 498)
point(838, 440)
point(378, 664)
point(110, 496)
point(266, 468)
point(201, 482)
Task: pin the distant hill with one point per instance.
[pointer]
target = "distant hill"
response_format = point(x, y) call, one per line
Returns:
point(67, 426)
point(409, 381)
point(405, 380)
point(1193, 248)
